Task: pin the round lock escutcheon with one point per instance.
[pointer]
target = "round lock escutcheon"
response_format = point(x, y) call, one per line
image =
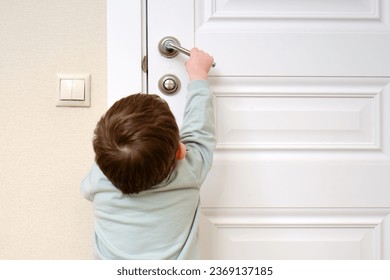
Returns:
point(169, 84)
point(165, 50)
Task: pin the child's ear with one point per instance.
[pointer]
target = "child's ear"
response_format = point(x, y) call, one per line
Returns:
point(181, 151)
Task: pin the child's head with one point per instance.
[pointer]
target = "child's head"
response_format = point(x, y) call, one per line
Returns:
point(137, 142)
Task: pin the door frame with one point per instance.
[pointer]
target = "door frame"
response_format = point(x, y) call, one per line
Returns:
point(126, 24)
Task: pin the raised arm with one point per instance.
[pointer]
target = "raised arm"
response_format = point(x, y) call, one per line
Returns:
point(198, 130)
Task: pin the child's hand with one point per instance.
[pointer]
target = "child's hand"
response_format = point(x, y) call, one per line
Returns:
point(198, 65)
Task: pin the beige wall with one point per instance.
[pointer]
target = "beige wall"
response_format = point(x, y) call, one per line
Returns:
point(45, 151)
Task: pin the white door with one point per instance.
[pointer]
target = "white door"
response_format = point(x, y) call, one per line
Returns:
point(302, 91)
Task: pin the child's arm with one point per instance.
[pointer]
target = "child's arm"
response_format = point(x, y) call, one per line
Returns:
point(198, 130)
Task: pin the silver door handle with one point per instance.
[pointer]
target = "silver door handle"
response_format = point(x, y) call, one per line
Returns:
point(170, 47)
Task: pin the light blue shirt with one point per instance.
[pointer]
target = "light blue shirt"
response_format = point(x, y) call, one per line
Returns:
point(162, 222)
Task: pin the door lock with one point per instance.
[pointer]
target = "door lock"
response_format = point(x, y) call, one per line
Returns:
point(169, 84)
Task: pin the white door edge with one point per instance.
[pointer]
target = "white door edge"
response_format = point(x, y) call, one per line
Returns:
point(125, 48)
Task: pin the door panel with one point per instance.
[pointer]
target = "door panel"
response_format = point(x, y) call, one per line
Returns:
point(303, 38)
point(253, 233)
point(302, 165)
point(290, 113)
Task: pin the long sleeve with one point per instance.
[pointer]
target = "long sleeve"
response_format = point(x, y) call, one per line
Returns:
point(198, 130)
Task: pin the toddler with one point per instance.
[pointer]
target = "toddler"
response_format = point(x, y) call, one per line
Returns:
point(145, 182)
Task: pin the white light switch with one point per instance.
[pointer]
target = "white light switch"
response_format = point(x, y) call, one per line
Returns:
point(74, 90)
point(78, 90)
point(66, 89)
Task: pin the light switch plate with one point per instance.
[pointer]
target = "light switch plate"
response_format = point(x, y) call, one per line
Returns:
point(74, 90)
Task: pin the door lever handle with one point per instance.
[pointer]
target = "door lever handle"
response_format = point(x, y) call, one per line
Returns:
point(182, 50)
point(170, 47)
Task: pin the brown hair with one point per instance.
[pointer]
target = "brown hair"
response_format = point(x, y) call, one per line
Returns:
point(136, 141)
